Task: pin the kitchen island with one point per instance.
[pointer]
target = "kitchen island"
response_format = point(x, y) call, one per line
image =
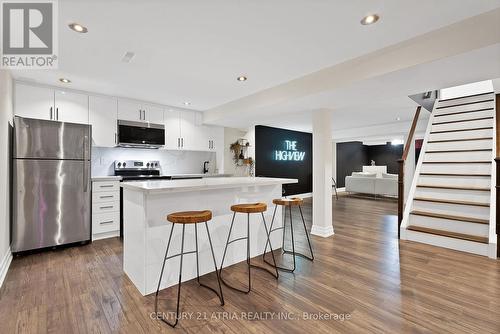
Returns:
point(145, 229)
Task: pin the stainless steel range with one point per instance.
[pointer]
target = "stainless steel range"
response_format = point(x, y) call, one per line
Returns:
point(139, 170)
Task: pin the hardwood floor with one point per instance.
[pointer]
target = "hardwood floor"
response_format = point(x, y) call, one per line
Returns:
point(363, 272)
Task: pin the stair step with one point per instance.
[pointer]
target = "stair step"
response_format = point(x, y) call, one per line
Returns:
point(463, 120)
point(456, 162)
point(452, 187)
point(448, 201)
point(463, 130)
point(464, 104)
point(466, 96)
point(465, 139)
point(463, 112)
point(449, 234)
point(455, 174)
point(450, 217)
point(456, 151)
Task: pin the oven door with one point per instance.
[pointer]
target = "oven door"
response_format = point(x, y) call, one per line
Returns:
point(139, 134)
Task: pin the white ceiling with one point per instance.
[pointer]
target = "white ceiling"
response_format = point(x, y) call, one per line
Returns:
point(194, 50)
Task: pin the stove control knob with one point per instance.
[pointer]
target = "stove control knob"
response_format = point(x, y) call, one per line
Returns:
point(119, 164)
point(124, 164)
point(147, 165)
point(156, 164)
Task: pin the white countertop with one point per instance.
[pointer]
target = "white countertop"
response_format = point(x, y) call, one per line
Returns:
point(161, 186)
point(106, 178)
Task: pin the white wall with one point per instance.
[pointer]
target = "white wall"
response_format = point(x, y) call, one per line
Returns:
point(172, 162)
point(231, 135)
point(6, 112)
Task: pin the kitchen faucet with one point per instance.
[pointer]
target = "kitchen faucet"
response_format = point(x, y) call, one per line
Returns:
point(205, 167)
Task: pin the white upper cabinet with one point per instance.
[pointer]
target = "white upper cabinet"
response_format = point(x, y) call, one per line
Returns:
point(139, 112)
point(34, 102)
point(190, 131)
point(51, 104)
point(153, 114)
point(172, 130)
point(103, 118)
point(71, 107)
point(130, 111)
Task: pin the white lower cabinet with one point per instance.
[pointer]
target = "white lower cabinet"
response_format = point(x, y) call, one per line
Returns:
point(105, 209)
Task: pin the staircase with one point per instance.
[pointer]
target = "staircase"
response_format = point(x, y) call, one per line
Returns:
point(450, 200)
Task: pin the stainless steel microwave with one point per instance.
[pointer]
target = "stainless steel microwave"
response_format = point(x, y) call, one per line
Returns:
point(140, 134)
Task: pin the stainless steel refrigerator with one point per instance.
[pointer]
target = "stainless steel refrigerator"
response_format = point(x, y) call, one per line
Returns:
point(51, 186)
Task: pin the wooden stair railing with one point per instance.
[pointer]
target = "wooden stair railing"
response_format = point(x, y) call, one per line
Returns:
point(497, 161)
point(401, 174)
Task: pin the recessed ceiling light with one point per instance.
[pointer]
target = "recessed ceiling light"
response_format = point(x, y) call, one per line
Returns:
point(242, 78)
point(77, 27)
point(64, 80)
point(398, 118)
point(187, 103)
point(127, 58)
point(369, 19)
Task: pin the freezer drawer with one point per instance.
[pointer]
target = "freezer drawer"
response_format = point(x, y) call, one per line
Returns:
point(51, 203)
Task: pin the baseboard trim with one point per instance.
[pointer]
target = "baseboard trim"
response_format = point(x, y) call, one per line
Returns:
point(4, 265)
point(304, 195)
point(322, 231)
point(105, 235)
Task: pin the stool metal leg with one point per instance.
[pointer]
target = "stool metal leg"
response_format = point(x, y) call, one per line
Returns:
point(221, 296)
point(268, 241)
point(311, 258)
point(198, 264)
point(224, 256)
point(180, 279)
point(283, 247)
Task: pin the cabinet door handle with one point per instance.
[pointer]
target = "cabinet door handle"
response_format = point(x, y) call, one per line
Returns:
point(178, 142)
point(115, 137)
point(182, 142)
point(144, 113)
point(50, 113)
point(106, 186)
point(106, 207)
point(107, 196)
point(140, 114)
point(57, 114)
point(107, 222)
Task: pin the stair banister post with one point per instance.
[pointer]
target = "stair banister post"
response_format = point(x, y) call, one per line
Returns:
point(401, 174)
point(401, 193)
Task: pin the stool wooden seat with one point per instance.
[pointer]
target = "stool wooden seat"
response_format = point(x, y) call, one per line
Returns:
point(249, 208)
point(288, 201)
point(190, 217)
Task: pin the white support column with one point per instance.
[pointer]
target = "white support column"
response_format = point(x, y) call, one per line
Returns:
point(322, 174)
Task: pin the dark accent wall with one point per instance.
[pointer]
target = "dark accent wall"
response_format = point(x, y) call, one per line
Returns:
point(352, 156)
point(268, 140)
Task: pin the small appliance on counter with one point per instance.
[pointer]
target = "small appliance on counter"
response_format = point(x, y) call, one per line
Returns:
point(51, 184)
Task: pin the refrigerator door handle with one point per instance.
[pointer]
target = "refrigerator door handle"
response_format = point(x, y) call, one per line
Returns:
point(85, 163)
point(50, 113)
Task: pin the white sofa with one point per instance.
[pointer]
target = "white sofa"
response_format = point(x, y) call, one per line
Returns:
point(369, 183)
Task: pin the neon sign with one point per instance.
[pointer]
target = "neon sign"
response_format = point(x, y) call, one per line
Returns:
point(290, 153)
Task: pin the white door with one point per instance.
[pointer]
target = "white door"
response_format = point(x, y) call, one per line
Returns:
point(34, 102)
point(130, 111)
point(172, 129)
point(154, 114)
point(103, 118)
point(72, 107)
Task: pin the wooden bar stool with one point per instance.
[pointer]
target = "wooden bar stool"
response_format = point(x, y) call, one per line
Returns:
point(184, 218)
point(248, 209)
point(289, 202)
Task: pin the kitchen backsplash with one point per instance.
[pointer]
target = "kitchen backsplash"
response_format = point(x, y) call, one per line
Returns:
point(172, 162)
